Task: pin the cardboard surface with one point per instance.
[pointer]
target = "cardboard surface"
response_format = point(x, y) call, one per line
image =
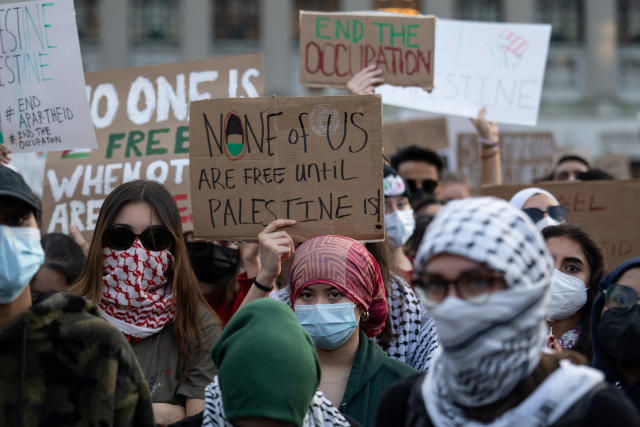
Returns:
point(429, 133)
point(525, 157)
point(43, 104)
point(606, 209)
point(313, 159)
point(617, 165)
point(497, 65)
point(141, 119)
point(334, 46)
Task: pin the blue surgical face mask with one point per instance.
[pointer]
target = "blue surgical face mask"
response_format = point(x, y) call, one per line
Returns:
point(399, 225)
point(21, 256)
point(330, 325)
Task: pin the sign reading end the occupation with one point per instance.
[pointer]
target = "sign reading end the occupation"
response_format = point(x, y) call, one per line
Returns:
point(317, 160)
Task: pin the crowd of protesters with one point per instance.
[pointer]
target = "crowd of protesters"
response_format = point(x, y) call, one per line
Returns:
point(472, 311)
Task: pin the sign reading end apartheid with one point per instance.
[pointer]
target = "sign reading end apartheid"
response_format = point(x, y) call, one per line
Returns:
point(317, 160)
point(334, 46)
point(43, 104)
point(497, 65)
point(141, 117)
point(606, 209)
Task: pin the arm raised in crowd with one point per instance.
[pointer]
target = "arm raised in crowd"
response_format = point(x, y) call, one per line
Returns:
point(276, 246)
point(365, 81)
point(489, 149)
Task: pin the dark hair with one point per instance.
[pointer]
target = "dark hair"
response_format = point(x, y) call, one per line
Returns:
point(185, 290)
point(380, 251)
point(417, 154)
point(593, 254)
point(63, 254)
point(594, 175)
point(424, 201)
point(572, 157)
point(422, 222)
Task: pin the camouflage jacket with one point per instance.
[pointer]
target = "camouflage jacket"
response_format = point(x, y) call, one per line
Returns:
point(62, 365)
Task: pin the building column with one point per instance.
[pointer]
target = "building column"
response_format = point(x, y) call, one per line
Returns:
point(277, 46)
point(114, 33)
point(600, 49)
point(519, 11)
point(440, 8)
point(197, 28)
point(356, 5)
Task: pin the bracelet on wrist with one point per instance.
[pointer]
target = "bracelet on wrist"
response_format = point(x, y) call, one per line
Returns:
point(261, 287)
point(487, 143)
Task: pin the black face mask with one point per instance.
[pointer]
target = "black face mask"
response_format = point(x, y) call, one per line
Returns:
point(212, 262)
point(619, 335)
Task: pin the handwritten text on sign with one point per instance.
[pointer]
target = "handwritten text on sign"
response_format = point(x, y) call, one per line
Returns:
point(606, 209)
point(335, 46)
point(43, 105)
point(141, 118)
point(316, 160)
point(497, 65)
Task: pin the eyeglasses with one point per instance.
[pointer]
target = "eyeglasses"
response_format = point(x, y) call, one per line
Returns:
point(559, 213)
point(428, 185)
point(153, 238)
point(473, 286)
point(621, 296)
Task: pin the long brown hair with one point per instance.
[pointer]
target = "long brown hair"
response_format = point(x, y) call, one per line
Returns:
point(382, 253)
point(185, 290)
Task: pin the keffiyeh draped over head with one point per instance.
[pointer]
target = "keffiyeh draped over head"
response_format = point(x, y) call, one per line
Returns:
point(486, 349)
point(267, 364)
point(346, 264)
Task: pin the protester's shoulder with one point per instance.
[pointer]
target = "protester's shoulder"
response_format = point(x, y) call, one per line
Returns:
point(393, 407)
point(609, 406)
point(208, 319)
point(393, 367)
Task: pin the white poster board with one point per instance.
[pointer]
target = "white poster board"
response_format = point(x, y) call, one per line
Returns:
point(43, 102)
point(497, 65)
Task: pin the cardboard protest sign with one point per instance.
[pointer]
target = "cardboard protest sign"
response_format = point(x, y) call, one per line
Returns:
point(616, 165)
point(525, 157)
point(43, 104)
point(497, 65)
point(334, 46)
point(317, 160)
point(606, 209)
point(141, 117)
point(429, 133)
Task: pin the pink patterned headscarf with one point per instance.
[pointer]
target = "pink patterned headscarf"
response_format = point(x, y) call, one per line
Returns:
point(346, 264)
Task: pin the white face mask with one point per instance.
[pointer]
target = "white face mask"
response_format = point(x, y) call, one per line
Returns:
point(568, 295)
point(546, 222)
point(399, 226)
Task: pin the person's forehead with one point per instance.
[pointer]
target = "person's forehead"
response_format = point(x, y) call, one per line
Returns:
point(417, 169)
point(563, 247)
point(631, 278)
point(571, 165)
point(540, 201)
point(318, 287)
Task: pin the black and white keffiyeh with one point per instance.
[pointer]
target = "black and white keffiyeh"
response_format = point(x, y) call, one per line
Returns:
point(486, 349)
point(321, 412)
point(414, 334)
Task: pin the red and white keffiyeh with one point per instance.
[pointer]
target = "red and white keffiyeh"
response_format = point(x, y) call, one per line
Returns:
point(136, 297)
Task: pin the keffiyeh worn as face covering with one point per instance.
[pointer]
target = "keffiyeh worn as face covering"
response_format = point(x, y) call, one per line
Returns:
point(347, 265)
point(136, 297)
point(486, 350)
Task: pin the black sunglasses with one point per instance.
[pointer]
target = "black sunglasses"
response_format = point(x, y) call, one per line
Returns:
point(559, 213)
point(153, 238)
point(428, 185)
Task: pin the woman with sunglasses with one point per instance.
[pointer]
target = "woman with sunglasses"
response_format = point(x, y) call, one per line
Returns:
point(484, 272)
point(615, 328)
point(541, 206)
point(139, 276)
point(579, 267)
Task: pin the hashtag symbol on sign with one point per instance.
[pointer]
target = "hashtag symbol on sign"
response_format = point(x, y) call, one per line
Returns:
point(9, 113)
